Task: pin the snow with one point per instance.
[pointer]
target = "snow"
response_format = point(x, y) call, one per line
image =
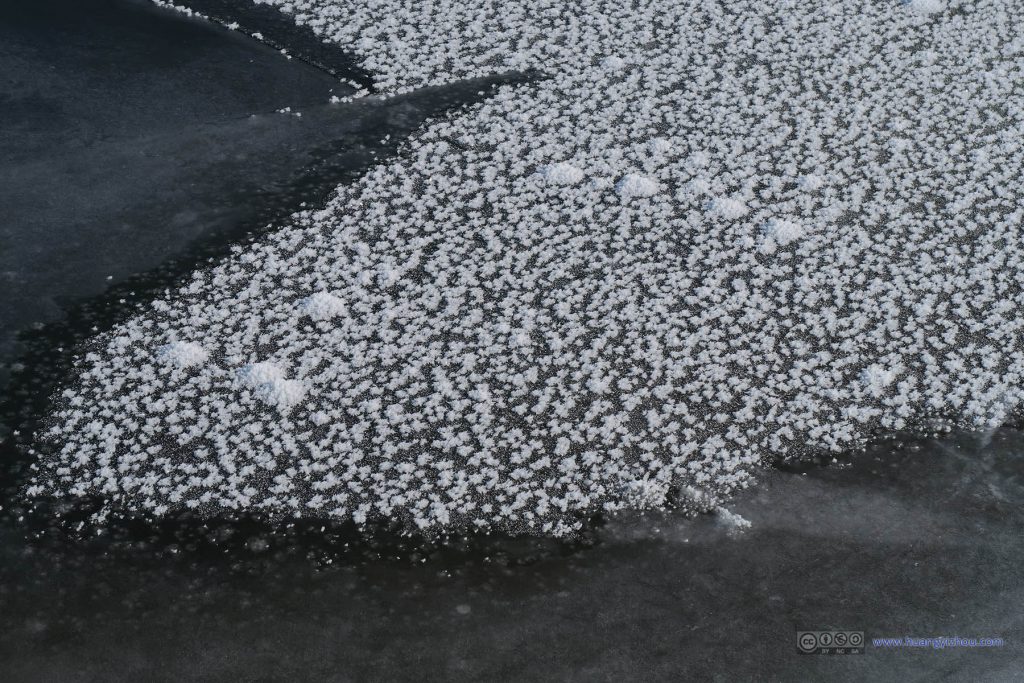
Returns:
point(454, 341)
point(257, 374)
point(876, 378)
point(659, 147)
point(183, 354)
point(729, 208)
point(810, 182)
point(927, 6)
point(271, 384)
point(732, 521)
point(561, 173)
point(634, 185)
point(613, 63)
point(322, 306)
point(783, 231)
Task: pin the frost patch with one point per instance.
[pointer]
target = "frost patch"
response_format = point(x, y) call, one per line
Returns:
point(728, 208)
point(322, 306)
point(271, 385)
point(782, 231)
point(633, 185)
point(561, 173)
point(183, 354)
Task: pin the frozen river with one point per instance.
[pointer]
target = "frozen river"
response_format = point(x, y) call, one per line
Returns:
point(117, 183)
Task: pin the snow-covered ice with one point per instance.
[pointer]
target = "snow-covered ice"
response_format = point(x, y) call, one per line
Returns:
point(183, 354)
point(322, 306)
point(562, 173)
point(634, 185)
point(499, 353)
point(271, 384)
point(783, 231)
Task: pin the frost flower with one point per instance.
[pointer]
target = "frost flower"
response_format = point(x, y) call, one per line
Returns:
point(634, 185)
point(783, 231)
point(183, 354)
point(561, 173)
point(322, 306)
point(270, 384)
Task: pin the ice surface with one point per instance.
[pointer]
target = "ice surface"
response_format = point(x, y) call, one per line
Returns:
point(518, 354)
point(75, 121)
point(649, 596)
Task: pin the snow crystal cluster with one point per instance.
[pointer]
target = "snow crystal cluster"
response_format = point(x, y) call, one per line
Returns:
point(271, 385)
point(183, 354)
point(561, 173)
point(322, 306)
point(732, 521)
point(719, 232)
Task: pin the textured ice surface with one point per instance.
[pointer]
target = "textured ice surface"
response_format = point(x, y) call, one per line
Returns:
point(824, 244)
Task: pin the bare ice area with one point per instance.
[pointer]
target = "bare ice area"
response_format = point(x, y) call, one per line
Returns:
point(122, 147)
point(717, 236)
point(920, 540)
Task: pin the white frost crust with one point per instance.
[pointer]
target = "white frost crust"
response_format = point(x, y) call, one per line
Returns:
point(783, 231)
point(322, 306)
point(634, 185)
point(183, 354)
point(503, 355)
point(562, 173)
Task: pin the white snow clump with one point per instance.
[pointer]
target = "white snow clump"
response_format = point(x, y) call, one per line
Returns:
point(783, 231)
point(322, 306)
point(561, 173)
point(271, 384)
point(926, 6)
point(183, 354)
point(633, 185)
point(728, 208)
